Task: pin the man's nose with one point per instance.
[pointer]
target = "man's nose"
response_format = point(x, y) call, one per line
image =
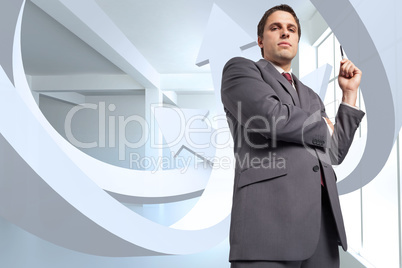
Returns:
point(285, 33)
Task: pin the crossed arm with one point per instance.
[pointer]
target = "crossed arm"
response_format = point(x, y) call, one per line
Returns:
point(255, 105)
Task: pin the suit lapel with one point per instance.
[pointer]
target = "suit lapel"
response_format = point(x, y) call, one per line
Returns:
point(285, 83)
point(303, 93)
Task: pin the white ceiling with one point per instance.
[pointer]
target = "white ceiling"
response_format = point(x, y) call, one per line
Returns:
point(167, 33)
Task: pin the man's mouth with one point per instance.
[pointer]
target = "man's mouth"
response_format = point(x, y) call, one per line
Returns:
point(284, 44)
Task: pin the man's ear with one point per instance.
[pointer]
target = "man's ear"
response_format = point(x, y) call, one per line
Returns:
point(259, 41)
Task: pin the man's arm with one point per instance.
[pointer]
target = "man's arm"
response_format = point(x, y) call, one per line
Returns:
point(256, 106)
point(349, 116)
point(349, 80)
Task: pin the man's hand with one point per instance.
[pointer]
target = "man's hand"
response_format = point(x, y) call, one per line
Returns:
point(349, 81)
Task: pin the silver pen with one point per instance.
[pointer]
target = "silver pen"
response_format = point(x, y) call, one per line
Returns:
point(342, 53)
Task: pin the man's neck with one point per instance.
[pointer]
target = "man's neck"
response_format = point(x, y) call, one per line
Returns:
point(280, 68)
point(284, 66)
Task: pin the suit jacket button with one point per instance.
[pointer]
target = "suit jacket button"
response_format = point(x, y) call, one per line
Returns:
point(316, 168)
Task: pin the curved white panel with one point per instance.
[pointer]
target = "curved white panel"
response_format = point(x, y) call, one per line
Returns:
point(359, 44)
point(71, 193)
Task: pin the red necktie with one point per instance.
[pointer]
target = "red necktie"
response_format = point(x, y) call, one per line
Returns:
point(288, 77)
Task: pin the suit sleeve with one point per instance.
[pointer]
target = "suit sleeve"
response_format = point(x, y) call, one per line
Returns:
point(256, 106)
point(347, 121)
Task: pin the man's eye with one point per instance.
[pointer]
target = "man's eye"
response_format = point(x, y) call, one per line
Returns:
point(292, 30)
point(274, 28)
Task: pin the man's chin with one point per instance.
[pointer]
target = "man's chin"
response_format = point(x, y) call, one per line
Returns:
point(286, 56)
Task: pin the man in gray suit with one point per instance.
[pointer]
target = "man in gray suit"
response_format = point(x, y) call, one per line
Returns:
point(286, 210)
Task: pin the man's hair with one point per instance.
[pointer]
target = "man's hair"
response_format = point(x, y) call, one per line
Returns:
point(263, 21)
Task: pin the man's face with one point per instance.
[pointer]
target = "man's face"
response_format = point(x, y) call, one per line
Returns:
point(280, 39)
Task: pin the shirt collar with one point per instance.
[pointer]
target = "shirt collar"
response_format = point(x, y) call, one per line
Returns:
point(280, 70)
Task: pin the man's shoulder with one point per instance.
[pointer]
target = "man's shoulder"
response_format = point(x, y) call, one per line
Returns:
point(240, 60)
point(244, 63)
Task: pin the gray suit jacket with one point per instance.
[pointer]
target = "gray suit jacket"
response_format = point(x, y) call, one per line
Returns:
point(282, 147)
